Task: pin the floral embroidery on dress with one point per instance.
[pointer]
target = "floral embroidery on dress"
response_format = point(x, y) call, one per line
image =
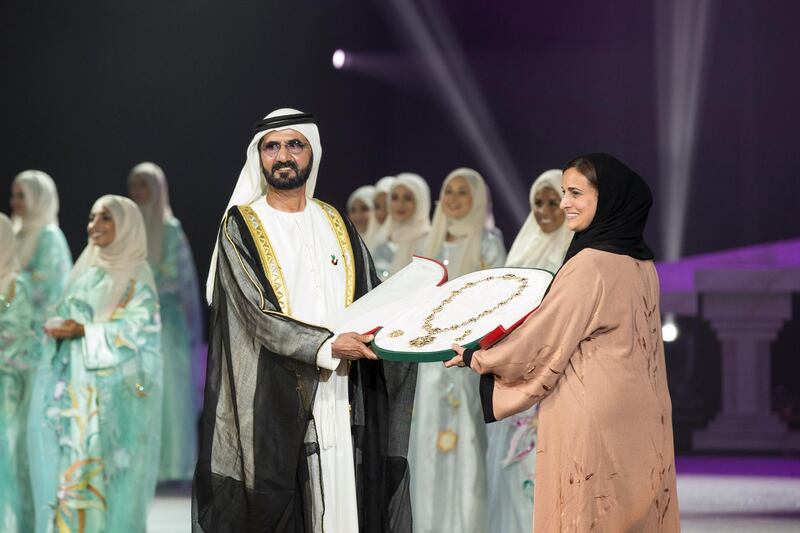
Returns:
point(447, 441)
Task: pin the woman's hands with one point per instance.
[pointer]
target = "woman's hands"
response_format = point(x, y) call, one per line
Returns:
point(68, 329)
point(458, 360)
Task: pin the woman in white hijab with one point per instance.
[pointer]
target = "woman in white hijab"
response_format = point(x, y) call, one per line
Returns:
point(361, 211)
point(448, 436)
point(383, 190)
point(511, 459)
point(42, 250)
point(170, 259)
point(96, 402)
point(459, 237)
point(17, 355)
point(408, 224)
point(543, 239)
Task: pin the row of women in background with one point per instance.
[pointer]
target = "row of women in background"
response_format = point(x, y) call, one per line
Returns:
point(95, 358)
point(464, 474)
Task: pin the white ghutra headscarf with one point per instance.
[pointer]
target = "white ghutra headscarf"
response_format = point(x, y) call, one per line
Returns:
point(156, 211)
point(41, 209)
point(252, 184)
point(124, 259)
point(534, 248)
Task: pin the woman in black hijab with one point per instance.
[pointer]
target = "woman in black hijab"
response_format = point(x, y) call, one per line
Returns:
point(593, 358)
point(623, 201)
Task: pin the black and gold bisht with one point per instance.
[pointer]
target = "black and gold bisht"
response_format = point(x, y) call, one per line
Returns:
point(258, 446)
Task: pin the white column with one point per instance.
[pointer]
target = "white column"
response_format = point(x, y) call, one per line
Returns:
point(747, 317)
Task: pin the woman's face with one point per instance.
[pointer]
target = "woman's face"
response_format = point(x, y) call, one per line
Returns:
point(380, 207)
point(580, 200)
point(17, 202)
point(403, 204)
point(457, 198)
point(101, 227)
point(547, 209)
point(139, 189)
point(359, 214)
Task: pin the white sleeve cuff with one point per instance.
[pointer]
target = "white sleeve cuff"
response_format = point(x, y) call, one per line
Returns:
point(325, 357)
point(97, 354)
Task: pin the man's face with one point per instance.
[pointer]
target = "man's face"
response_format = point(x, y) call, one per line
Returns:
point(286, 159)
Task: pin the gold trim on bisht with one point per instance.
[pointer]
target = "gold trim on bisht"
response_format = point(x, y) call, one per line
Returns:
point(268, 257)
point(340, 230)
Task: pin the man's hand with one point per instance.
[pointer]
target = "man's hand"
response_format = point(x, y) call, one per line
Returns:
point(458, 360)
point(352, 346)
point(69, 329)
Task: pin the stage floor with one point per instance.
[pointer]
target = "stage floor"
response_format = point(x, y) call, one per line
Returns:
point(715, 494)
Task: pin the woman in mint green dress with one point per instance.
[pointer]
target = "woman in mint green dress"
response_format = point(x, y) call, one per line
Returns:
point(170, 258)
point(95, 414)
point(41, 247)
point(16, 356)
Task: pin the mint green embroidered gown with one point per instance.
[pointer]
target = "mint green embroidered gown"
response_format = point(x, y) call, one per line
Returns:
point(47, 272)
point(96, 414)
point(17, 357)
point(181, 330)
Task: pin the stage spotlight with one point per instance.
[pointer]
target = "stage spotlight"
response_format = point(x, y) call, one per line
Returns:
point(669, 330)
point(339, 58)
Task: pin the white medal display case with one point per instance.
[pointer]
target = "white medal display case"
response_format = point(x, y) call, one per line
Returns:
point(417, 315)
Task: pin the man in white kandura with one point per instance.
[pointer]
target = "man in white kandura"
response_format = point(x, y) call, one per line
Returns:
point(293, 438)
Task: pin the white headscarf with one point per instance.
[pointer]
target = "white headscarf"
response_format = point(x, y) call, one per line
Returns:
point(123, 260)
point(468, 229)
point(406, 234)
point(9, 264)
point(156, 211)
point(252, 184)
point(41, 209)
point(534, 248)
point(384, 185)
point(366, 194)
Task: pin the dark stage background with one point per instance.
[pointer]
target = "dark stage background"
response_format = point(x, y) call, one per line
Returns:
point(91, 88)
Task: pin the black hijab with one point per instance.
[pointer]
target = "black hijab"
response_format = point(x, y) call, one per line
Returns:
point(623, 202)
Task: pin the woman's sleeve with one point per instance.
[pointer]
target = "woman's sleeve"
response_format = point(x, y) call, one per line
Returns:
point(168, 273)
point(133, 326)
point(493, 251)
point(524, 367)
point(16, 325)
point(49, 269)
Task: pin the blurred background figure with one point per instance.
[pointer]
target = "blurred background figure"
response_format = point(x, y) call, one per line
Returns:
point(511, 459)
point(383, 188)
point(408, 224)
point(459, 236)
point(170, 259)
point(447, 451)
point(17, 356)
point(42, 250)
point(95, 417)
point(543, 239)
point(361, 211)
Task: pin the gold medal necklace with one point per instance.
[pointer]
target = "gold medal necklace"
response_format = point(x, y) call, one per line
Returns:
point(432, 330)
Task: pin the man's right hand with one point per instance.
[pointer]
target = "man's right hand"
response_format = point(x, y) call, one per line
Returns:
point(352, 346)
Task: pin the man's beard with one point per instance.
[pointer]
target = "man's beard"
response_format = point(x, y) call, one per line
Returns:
point(287, 182)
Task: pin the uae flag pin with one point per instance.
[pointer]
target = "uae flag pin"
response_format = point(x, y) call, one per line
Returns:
point(334, 260)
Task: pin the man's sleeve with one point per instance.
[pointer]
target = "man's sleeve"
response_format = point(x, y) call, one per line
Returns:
point(237, 283)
